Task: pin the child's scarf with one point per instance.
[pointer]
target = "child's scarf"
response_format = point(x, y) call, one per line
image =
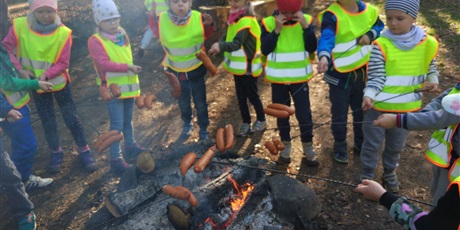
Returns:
point(36, 26)
point(118, 39)
point(178, 20)
point(234, 14)
point(406, 41)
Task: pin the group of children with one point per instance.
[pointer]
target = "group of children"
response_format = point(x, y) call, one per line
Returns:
point(373, 79)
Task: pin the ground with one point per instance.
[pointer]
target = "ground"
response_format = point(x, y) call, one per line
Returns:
point(75, 195)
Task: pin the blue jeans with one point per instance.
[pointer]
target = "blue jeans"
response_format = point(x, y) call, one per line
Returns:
point(45, 110)
point(121, 119)
point(196, 89)
point(23, 142)
point(300, 94)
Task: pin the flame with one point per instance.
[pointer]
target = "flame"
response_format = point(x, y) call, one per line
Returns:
point(236, 202)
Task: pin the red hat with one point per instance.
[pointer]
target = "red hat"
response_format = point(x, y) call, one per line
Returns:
point(289, 5)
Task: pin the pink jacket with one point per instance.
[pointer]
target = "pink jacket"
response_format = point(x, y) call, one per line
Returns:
point(10, 43)
point(102, 60)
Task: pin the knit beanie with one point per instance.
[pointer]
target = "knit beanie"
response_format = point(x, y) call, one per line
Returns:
point(104, 9)
point(289, 5)
point(409, 7)
point(35, 4)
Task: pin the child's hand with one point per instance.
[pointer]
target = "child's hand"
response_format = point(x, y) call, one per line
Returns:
point(370, 189)
point(135, 68)
point(26, 74)
point(150, 13)
point(45, 86)
point(433, 87)
point(207, 19)
point(280, 20)
point(367, 104)
point(14, 115)
point(387, 121)
point(42, 77)
point(364, 40)
point(322, 64)
point(215, 49)
point(298, 17)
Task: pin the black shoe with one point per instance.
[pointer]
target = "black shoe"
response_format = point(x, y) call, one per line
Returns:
point(140, 53)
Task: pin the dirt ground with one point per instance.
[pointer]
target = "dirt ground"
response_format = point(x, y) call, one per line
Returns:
point(75, 195)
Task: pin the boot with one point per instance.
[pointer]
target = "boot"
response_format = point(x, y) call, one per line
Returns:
point(312, 158)
point(285, 154)
point(88, 161)
point(55, 162)
point(340, 151)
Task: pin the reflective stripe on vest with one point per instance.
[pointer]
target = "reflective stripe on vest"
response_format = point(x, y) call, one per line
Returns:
point(128, 82)
point(440, 145)
point(454, 171)
point(289, 62)
point(38, 52)
point(403, 79)
point(160, 6)
point(237, 62)
point(347, 55)
point(181, 43)
point(17, 99)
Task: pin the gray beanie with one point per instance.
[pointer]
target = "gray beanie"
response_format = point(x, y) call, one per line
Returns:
point(409, 7)
point(104, 9)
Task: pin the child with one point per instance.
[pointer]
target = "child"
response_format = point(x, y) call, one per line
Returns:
point(113, 61)
point(347, 29)
point(402, 60)
point(10, 178)
point(23, 142)
point(241, 45)
point(154, 8)
point(444, 146)
point(289, 42)
point(446, 214)
point(39, 46)
point(182, 34)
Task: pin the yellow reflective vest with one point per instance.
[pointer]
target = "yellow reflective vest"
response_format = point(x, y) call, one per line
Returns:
point(160, 6)
point(128, 82)
point(181, 43)
point(289, 62)
point(38, 52)
point(440, 148)
point(406, 71)
point(347, 54)
point(236, 62)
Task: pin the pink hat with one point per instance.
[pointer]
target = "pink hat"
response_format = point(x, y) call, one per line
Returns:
point(289, 5)
point(35, 4)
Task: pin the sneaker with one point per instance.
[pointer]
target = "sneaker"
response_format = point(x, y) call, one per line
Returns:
point(28, 222)
point(341, 157)
point(390, 182)
point(244, 130)
point(258, 126)
point(365, 177)
point(187, 129)
point(119, 165)
point(356, 150)
point(312, 158)
point(285, 154)
point(35, 182)
point(88, 161)
point(55, 162)
point(140, 53)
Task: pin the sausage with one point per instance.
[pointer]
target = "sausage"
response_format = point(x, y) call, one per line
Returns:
point(276, 113)
point(174, 83)
point(105, 94)
point(271, 147)
point(202, 56)
point(191, 199)
point(175, 193)
point(115, 90)
point(278, 144)
point(220, 140)
point(104, 136)
point(204, 160)
point(148, 101)
point(140, 102)
point(187, 162)
point(229, 136)
point(278, 106)
point(107, 142)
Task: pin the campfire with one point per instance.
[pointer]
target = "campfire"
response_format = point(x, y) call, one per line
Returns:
point(231, 193)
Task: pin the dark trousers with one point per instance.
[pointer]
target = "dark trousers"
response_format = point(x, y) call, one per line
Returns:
point(342, 99)
point(300, 93)
point(45, 109)
point(196, 89)
point(246, 89)
point(12, 186)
